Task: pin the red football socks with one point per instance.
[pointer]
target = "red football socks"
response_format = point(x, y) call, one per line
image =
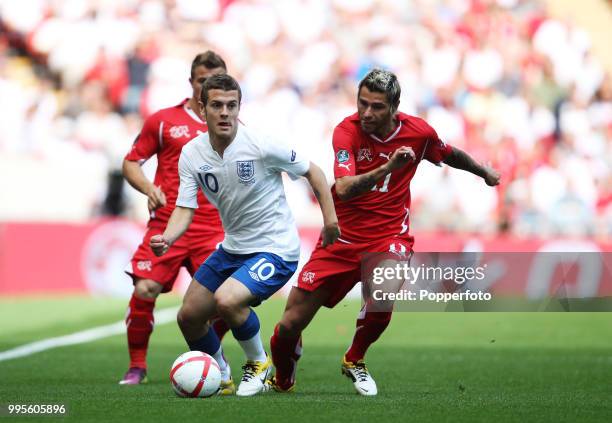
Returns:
point(139, 322)
point(370, 326)
point(285, 354)
point(220, 327)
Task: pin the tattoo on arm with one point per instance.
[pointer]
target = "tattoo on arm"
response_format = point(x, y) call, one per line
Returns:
point(459, 159)
point(361, 184)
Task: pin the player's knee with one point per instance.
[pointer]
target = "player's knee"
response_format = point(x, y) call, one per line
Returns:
point(291, 324)
point(226, 306)
point(186, 318)
point(145, 288)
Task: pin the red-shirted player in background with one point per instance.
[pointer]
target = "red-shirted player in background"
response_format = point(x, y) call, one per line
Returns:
point(377, 153)
point(165, 133)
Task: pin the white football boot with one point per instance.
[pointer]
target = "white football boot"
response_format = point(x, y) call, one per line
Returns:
point(358, 373)
point(254, 377)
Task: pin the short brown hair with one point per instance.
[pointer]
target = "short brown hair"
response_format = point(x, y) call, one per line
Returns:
point(208, 59)
point(383, 81)
point(220, 82)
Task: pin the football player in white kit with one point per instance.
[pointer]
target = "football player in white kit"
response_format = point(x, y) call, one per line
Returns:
point(239, 171)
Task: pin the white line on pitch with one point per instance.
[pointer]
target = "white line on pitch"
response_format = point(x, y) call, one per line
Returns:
point(161, 317)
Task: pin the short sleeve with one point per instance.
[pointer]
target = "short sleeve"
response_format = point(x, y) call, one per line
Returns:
point(147, 143)
point(188, 188)
point(282, 158)
point(435, 149)
point(344, 152)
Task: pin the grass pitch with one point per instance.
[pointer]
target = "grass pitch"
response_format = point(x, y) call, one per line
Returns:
point(430, 367)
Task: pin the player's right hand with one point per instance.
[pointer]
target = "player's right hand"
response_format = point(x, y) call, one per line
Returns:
point(401, 157)
point(330, 234)
point(159, 245)
point(156, 198)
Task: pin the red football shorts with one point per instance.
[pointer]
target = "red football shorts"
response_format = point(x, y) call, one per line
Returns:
point(337, 267)
point(189, 251)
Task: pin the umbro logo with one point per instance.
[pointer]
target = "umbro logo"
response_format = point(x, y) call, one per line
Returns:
point(254, 276)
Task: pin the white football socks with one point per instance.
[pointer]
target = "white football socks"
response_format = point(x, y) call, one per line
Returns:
point(253, 348)
point(226, 372)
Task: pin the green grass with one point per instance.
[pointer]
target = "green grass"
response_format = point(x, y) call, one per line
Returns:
point(431, 367)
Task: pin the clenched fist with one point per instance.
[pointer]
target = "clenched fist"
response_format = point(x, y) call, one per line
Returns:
point(159, 245)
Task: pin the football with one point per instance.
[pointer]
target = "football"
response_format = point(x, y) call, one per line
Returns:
point(195, 374)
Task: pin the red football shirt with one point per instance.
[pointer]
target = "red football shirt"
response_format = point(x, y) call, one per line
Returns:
point(165, 133)
point(383, 212)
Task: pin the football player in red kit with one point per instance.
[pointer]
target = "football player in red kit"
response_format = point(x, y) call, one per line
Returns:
point(164, 134)
point(377, 151)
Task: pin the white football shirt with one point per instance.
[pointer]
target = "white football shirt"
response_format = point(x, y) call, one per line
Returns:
point(246, 186)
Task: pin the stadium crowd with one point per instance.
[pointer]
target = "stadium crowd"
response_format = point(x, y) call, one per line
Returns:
point(499, 78)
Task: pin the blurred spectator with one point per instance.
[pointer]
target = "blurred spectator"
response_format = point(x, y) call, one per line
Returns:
point(138, 63)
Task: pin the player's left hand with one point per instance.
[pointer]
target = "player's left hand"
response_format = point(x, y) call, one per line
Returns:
point(330, 233)
point(401, 157)
point(491, 175)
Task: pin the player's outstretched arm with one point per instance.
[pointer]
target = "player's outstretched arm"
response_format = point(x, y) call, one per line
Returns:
point(177, 225)
point(317, 181)
point(459, 159)
point(348, 187)
point(133, 173)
